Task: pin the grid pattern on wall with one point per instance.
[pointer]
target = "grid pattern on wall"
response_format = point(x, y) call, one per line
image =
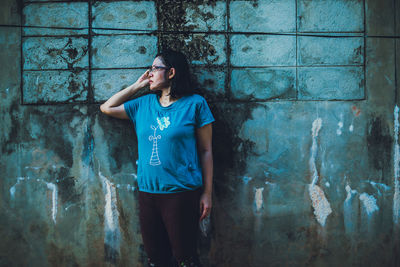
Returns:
point(84, 51)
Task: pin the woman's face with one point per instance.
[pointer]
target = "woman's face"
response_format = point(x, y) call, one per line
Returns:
point(158, 78)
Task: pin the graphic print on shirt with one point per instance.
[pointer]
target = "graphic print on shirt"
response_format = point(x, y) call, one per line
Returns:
point(162, 124)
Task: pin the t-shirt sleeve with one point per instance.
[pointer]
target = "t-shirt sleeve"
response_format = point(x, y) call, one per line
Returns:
point(131, 108)
point(203, 114)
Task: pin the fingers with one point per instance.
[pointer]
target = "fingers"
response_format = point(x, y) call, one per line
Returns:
point(143, 80)
point(203, 215)
point(204, 211)
point(146, 75)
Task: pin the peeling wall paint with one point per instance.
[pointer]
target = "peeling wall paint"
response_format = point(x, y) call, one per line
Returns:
point(369, 203)
point(54, 198)
point(356, 111)
point(258, 199)
point(350, 210)
point(340, 125)
point(51, 186)
point(320, 204)
point(246, 179)
point(379, 187)
point(316, 127)
point(13, 188)
point(112, 233)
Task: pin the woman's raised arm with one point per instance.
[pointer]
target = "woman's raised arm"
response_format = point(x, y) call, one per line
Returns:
point(114, 106)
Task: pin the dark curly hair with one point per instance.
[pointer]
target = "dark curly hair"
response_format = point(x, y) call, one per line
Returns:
point(182, 83)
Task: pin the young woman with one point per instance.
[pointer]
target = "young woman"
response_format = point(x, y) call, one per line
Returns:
point(175, 165)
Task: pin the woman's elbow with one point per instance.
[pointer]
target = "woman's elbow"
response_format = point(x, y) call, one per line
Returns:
point(104, 109)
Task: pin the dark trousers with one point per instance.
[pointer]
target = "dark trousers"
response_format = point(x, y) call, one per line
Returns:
point(169, 224)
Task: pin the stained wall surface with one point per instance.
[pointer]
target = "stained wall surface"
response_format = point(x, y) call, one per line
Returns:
point(306, 138)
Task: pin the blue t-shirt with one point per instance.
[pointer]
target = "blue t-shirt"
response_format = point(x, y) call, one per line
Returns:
point(168, 160)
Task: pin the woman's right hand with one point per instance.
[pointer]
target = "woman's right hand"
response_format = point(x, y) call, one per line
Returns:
point(143, 80)
point(114, 106)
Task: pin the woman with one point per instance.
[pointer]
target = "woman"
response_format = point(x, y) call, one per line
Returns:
point(175, 163)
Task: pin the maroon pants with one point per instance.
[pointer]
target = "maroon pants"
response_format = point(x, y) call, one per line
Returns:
point(169, 224)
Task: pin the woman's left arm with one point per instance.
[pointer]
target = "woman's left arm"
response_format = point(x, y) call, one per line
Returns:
point(204, 144)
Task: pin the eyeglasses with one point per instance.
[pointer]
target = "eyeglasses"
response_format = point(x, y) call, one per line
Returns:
point(156, 68)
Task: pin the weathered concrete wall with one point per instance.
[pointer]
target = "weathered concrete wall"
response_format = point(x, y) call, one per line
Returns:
point(306, 138)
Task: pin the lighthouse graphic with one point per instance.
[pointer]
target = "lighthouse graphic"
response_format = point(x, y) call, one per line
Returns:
point(162, 123)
